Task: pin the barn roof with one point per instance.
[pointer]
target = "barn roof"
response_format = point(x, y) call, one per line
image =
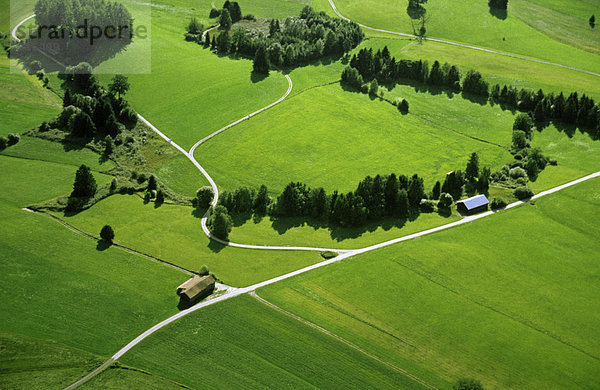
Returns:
point(474, 202)
point(195, 286)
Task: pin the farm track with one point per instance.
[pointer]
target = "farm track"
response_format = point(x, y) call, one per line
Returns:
point(467, 46)
point(343, 254)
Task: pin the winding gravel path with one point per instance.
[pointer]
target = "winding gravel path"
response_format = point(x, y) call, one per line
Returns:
point(463, 45)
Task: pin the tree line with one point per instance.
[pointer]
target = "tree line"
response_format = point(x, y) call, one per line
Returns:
point(367, 66)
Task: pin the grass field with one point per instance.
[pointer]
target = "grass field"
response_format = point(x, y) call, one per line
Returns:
point(24, 103)
point(471, 22)
point(173, 234)
point(331, 138)
point(127, 377)
point(298, 231)
point(453, 304)
point(29, 363)
point(66, 305)
point(242, 343)
point(577, 156)
point(199, 91)
point(39, 149)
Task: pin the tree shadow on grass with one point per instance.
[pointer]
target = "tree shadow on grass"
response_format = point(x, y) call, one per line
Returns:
point(103, 245)
point(216, 247)
point(499, 13)
point(256, 77)
point(482, 101)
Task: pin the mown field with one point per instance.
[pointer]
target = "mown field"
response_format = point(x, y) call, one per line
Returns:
point(174, 234)
point(66, 305)
point(242, 343)
point(472, 22)
point(453, 304)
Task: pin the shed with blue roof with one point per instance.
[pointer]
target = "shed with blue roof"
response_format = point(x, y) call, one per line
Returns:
point(472, 205)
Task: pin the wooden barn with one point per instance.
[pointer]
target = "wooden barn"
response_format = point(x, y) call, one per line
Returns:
point(196, 288)
point(472, 205)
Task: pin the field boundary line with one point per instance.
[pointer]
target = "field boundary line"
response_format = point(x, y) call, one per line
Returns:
point(118, 246)
point(487, 306)
point(461, 133)
point(254, 295)
point(467, 46)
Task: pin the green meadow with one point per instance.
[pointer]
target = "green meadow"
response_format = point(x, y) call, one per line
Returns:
point(451, 304)
point(199, 91)
point(472, 22)
point(66, 305)
point(172, 233)
point(39, 149)
point(242, 343)
point(511, 300)
point(330, 138)
point(24, 103)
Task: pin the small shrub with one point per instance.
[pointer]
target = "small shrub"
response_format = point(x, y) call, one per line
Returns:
point(523, 192)
point(467, 384)
point(328, 254)
point(364, 88)
point(497, 203)
point(141, 178)
point(113, 185)
point(517, 172)
point(553, 162)
point(427, 206)
point(107, 233)
point(403, 106)
point(35, 66)
point(44, 127)
point(203, 270)
point(13, 139)
point(249, 17)
point(3, 143)
point(214, 13)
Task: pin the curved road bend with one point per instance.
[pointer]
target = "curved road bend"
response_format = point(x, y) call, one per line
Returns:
point(463, 45)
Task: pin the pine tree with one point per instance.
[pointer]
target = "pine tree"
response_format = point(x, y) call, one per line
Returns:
point(223, 43)
point(236, 12)
point(538, 114)
point(261, 64)
point(437, 188)
point(416, 191)
point(85, 184)
point(220, 222)
point(391, 194)
point(152, 183)
point(67, 101)
point(472, 170)
point(225, 20)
